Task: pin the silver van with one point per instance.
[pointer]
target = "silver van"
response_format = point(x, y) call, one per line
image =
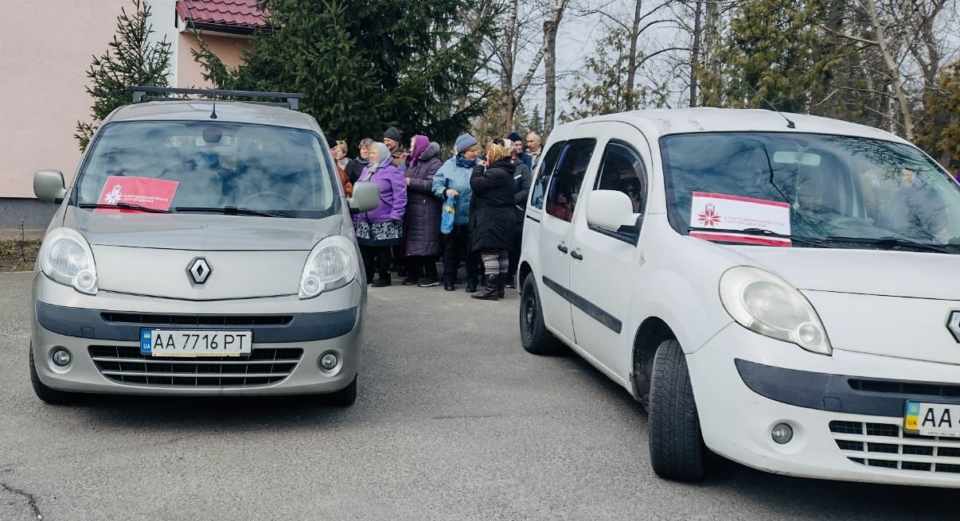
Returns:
point(205, 247)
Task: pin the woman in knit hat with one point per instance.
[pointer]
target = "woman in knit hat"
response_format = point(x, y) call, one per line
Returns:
point(453, 180)
point(492, 219)
point(382, 228)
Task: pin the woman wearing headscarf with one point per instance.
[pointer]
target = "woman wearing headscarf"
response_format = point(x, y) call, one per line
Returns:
point(453, 180)
point(382, 228)
point(422, 220)
point(492, 218)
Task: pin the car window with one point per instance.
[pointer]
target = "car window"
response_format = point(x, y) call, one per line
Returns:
point(568, 177)
point(280, 170)
point(545, 173)
point(622, 170)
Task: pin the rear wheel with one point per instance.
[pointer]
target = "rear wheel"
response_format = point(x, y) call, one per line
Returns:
point(534, 335)
point(344, 397)
point(677, 451)
point(47, 394)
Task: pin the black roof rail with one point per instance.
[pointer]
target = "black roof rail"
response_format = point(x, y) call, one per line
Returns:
point(292, 98)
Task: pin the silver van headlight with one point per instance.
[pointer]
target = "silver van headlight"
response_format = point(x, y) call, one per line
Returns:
point(331, 264)
point(764, 303)
point(66, 257)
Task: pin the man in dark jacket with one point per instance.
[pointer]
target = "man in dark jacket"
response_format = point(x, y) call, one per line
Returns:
point(517, 143)
point(522, 178)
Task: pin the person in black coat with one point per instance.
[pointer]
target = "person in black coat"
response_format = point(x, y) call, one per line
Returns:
point(421, 227)
point(492, 218)
point(522, 178)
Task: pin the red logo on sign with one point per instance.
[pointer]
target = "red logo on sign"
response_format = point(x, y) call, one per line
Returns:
point(709, 216)
point(142, 191)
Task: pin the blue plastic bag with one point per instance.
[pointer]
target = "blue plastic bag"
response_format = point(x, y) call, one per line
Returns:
point(448, 215)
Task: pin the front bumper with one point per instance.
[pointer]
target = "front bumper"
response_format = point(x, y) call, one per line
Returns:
point(289, 336)
point(746, 384)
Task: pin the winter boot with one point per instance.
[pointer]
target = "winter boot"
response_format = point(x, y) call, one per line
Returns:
point(491, 288)
point(471, 285)
point(501, 281)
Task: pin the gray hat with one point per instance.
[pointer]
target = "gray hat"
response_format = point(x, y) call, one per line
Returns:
point(392, 133)
point(465, 141)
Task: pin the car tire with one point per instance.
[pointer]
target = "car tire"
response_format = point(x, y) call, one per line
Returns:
point(534, 335)
point(344, 397)
point(677, 451)
point(47, 394)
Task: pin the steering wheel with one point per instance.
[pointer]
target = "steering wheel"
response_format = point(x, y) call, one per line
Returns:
point(272, 197)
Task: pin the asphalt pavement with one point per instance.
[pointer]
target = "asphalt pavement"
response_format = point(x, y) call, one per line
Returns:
point(453, 421)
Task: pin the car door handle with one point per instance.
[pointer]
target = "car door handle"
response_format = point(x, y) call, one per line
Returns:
point(562, 247)
point(576, 254)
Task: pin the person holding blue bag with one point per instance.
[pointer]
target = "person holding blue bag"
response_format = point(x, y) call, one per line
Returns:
point(453, 181)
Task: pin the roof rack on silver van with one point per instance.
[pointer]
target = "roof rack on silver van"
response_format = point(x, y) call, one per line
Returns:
point(140, 94)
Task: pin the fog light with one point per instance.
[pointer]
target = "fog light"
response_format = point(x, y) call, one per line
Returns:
point(61, 357)
point(329, 361)
point(782, 433)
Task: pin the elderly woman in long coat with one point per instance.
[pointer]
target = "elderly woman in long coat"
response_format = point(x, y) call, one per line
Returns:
point(422, 219)
point(492, 218)
point(380, 229)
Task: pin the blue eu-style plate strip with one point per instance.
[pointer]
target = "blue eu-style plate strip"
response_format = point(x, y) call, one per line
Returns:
point(146, 342)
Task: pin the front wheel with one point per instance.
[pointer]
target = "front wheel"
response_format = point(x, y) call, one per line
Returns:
point(677, 451)
point(47, 394)
point(534, 335)
point(344, 397)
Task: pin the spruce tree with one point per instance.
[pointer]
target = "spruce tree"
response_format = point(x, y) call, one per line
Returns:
point(365, 66)
point(130, 60)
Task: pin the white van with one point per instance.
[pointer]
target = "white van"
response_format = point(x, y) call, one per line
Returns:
point(776, 288)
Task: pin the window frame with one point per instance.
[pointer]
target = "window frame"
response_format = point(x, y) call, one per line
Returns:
point(553, 176)
point(542, 165)
point(632, 234)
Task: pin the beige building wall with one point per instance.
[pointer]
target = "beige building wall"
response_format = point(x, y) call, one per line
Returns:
point(190, 73)
point(46, 46)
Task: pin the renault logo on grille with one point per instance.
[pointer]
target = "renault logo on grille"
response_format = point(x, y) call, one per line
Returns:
point(199, 270)
point(954, 325)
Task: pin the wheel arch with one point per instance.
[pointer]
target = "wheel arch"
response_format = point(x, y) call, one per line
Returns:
point(651, 333)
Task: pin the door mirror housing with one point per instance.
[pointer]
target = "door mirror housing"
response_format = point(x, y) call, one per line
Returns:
point(611, 211)
point(366, 197)
point(48, 186)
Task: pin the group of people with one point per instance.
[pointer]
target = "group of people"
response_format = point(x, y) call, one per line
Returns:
point(487, 189)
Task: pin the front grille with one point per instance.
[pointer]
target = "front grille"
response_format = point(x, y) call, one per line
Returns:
point(886, 445)
point(911, 388)
point(124, 364)
point(155, 319)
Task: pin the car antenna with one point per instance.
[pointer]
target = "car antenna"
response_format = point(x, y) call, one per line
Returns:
point(790, 124)
point(213, 115)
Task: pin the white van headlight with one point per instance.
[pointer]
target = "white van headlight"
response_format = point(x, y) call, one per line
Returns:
point(762, 302)
point(66, 257)
point(332, 264)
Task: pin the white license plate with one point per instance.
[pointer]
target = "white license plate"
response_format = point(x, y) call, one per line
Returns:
point(932, 419)
point(162, 342)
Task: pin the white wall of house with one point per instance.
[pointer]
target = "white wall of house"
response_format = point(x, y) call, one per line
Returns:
point(163, 19)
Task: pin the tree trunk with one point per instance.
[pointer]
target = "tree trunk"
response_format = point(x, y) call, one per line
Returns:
point(695, 52)
point(893, 68)
point(632, 101)
point(508, 60)
point(550, 28)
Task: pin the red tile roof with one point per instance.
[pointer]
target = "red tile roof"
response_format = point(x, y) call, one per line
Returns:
point(238, 13)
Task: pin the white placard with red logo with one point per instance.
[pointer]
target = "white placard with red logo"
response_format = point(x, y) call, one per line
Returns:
point(731, 213)
point(156, 194)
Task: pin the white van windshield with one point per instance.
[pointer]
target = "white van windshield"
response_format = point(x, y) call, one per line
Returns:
point(818, 187)
point(190, 166)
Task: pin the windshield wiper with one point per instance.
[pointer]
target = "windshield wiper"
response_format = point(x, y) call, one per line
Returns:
point(123, 206)
point(891, 242)
point(761, 232)
point(226, 210)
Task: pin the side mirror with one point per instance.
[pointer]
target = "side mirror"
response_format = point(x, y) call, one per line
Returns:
point(48, 186)
point(610, 210)
point(366, 197)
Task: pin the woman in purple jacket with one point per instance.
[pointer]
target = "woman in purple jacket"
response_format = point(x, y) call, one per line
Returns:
point(381, 229)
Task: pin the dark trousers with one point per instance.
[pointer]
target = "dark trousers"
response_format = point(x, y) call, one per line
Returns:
point(456, 248)
point(376, 258)
point(397, 258)
point(515, 254)
point(418, 266)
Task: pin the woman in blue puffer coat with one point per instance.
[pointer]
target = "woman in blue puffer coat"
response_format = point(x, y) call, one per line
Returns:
point(453, 179)
point(382, 228)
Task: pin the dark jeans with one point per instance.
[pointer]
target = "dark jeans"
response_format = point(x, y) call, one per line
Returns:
point(456, 248)
point(376, 258)
point(515, 254)
point(418, 266)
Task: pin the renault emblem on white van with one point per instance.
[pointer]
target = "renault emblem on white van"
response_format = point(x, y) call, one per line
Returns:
point(954, 325)
point(199, 270)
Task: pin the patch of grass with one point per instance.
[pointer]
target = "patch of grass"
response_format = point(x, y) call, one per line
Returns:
point(18, 255)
